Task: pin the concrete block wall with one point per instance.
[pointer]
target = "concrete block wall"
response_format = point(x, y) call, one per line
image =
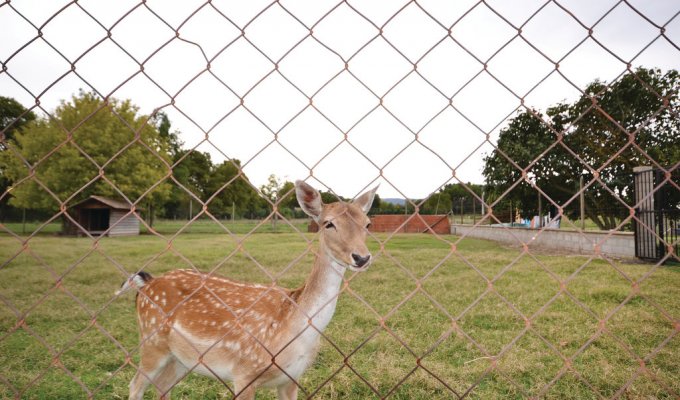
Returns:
point(616, 244)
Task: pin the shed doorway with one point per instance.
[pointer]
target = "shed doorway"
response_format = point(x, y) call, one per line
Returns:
point(98, 220)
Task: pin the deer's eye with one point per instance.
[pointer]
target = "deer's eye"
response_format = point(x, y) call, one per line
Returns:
point(328, 225)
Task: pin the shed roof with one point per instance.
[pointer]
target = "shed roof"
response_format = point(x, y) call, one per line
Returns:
point(115, 204)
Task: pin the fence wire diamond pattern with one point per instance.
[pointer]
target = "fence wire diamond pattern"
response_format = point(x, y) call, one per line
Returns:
point(282, 68)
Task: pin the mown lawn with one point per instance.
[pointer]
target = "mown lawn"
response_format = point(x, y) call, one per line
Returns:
point(63, 330)
point(172, 227)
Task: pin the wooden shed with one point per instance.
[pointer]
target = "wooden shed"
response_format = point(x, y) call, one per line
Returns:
point(97, 214)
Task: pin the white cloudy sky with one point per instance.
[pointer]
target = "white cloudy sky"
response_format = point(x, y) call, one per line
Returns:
point(322, 88)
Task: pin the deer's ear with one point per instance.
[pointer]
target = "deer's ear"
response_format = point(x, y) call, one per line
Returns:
point(309, 199)
point(365, 201)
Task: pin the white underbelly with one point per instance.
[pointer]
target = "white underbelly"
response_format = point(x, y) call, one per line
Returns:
point(216, 361)
point(226, 361)
point(218, 366)
point(212, 365)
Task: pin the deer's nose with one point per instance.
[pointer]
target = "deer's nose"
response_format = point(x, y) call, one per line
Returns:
point(359, 260)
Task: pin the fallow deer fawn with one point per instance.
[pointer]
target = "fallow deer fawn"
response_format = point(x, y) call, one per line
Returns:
point(252, 335)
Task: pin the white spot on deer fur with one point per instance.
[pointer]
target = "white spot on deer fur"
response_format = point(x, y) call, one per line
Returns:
point(153, 321)
point(155, 298)
point(233, 346)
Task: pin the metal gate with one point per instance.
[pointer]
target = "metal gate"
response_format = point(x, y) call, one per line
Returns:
point(657, 215)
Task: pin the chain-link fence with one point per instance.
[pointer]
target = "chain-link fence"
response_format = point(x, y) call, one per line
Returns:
point(547, 106)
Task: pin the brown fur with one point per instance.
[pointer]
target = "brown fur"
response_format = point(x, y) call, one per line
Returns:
point(253, 335)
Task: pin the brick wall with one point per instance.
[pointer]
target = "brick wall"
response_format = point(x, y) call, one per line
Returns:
point(405, 224)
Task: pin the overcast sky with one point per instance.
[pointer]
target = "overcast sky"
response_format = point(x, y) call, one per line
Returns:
point(290, 86)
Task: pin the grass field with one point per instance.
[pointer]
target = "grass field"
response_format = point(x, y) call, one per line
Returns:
point(56, 332)
point(171, 227)
point(206, 225)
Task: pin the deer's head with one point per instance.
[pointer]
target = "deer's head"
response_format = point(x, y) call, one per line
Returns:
point(343, 226)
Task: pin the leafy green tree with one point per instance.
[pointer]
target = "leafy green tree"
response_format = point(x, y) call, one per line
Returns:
point(287, 200)
point(381, 206)
point(83, 142)
point(272, 188)
point(633, 121)
point(611, 129)
point(271, 191)
point(438, 203)
point(163, 124)
point(329, 197)
point(526, 144)
point(237, 196)
point(13, 117)
point(193, 171)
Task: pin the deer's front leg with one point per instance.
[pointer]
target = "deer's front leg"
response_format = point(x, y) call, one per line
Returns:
point(288, 391)
point(244, 390)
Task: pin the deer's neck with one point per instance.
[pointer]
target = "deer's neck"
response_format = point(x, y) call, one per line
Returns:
point(320, 294)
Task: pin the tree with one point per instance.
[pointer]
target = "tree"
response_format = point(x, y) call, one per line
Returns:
point(163, 124)
point(13, 117)
point(611, 128)
point(526, 140)
point(193, 171)
point(329, 197)
point(287, 199)
point(237, 196)
point(635, 115)
point(271, 189)
point(438, 203)
point(81, 140)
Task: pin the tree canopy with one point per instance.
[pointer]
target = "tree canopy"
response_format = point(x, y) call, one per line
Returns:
point(87, 146)
point(13, 117)
point(609, 130)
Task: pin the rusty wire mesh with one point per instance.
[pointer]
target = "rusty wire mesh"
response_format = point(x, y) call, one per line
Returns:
point(276, 55)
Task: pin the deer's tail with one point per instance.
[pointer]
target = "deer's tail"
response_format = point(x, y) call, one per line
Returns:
point(137, 281)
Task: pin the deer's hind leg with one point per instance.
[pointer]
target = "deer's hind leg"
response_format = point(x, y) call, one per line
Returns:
point(152, 364)
point(170, 375)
